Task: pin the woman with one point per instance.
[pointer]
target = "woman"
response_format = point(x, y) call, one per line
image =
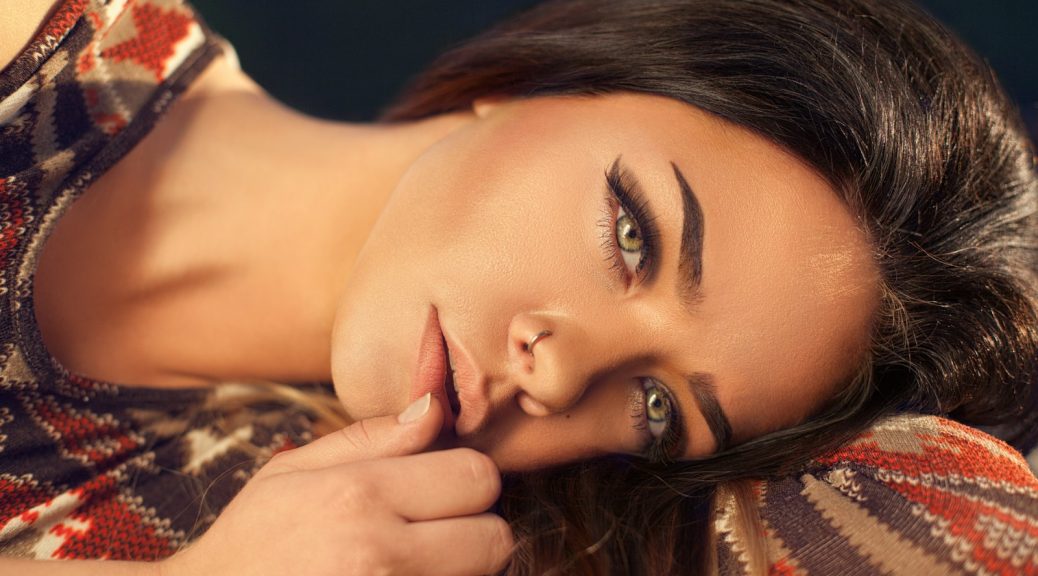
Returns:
point(634, 252)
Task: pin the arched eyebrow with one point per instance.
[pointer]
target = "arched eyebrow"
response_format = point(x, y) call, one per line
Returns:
point(705, 392)
point(690, 277)
point(690, 262)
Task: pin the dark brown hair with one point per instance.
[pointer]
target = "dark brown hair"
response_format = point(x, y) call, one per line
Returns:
point(910, 128)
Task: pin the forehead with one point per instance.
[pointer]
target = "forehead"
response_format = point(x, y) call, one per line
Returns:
point(789, 286)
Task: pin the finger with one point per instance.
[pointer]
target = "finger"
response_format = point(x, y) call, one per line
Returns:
point(428, 486)
point(381, 437)
point(464, 546)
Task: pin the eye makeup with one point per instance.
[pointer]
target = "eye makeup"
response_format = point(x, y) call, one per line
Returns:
point(654, 410)
point(624, 198)
point(659, 447)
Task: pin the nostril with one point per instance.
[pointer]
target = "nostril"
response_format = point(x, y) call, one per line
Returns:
point(528, 346)
point(521, 356)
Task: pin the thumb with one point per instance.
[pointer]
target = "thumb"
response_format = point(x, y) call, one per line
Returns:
point(414, 430)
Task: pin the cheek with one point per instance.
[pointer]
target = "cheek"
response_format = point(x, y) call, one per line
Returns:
point(510, 241)
point(480, 237)
point(600, 424)
point(541, 445)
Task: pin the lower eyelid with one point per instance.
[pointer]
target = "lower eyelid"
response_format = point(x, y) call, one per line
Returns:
point(634, 409)
point(635, 402)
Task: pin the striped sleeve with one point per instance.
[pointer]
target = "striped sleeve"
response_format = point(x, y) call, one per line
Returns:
point(913, 495)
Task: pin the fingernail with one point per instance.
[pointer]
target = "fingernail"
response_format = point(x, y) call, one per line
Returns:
point(416, 410)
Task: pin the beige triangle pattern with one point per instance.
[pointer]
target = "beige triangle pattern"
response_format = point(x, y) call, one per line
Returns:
point(44, 141)
point(890, 436)
point(204, 446)
point(13, 367)
point(870, 537)
point(730, 531)
point(122, 30)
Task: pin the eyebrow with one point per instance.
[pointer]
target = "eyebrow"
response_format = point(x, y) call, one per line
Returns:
point(690, 262)
point(705, 392)
point(690, 271)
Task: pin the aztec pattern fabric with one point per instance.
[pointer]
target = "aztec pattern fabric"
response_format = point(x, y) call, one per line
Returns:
point(913, 495)
point(91, 469)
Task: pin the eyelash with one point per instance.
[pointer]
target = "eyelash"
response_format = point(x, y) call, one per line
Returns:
point(658, 449)
point(621, 194)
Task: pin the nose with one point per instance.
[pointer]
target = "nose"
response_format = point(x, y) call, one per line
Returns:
point(550, 368)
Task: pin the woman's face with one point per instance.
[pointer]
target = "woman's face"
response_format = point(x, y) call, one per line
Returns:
point(693, 277)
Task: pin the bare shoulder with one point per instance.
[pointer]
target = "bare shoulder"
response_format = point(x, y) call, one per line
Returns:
point(19, 21)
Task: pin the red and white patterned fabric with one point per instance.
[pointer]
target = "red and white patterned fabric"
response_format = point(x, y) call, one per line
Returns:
point(912, 495)
point(92, 469)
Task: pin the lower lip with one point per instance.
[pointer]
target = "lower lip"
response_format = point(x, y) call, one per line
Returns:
point(431, 369)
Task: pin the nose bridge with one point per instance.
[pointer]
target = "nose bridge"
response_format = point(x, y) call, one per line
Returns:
point(555, 372)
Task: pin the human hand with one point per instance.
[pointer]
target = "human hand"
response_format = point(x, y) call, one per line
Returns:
point(361, 500)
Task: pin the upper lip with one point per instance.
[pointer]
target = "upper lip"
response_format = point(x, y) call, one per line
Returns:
point(471, 387)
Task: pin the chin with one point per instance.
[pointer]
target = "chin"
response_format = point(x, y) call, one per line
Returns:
point(357, 404)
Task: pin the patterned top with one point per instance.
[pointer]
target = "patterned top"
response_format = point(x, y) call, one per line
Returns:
point(92, 469)
point(913, 495)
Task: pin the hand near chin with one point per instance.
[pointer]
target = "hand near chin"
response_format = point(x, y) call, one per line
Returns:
point(361, 500)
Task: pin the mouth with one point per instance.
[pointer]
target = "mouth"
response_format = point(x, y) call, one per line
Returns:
point(446, 370)
point(450, 386)
point(466, 389)
point(432, 374)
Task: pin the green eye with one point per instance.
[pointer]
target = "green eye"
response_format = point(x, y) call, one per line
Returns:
point(657, 408)
point(628, 235)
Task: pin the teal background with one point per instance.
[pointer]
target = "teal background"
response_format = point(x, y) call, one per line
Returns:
point(346, 59)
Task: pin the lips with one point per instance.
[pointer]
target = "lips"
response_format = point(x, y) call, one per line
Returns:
point(431, 371)
point(467, 389)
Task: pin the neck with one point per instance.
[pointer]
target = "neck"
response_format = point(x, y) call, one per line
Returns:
point(299, 235)
point(242, 256)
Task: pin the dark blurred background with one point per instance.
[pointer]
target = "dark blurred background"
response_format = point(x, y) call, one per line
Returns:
point(346, 59)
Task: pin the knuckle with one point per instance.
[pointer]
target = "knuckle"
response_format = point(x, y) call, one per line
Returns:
point(278, 464)
point(500, 541)
point(267, 489)
point(281, 459)
point(371, 555)
point(357, 436)
point(357, 494)
point(258, 487)
point(482, 472)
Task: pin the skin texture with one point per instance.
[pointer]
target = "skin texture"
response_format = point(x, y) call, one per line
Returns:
point(365, 514)
point(19, 21)
point(497, 217)
point(234, 226)
point(499, 226)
